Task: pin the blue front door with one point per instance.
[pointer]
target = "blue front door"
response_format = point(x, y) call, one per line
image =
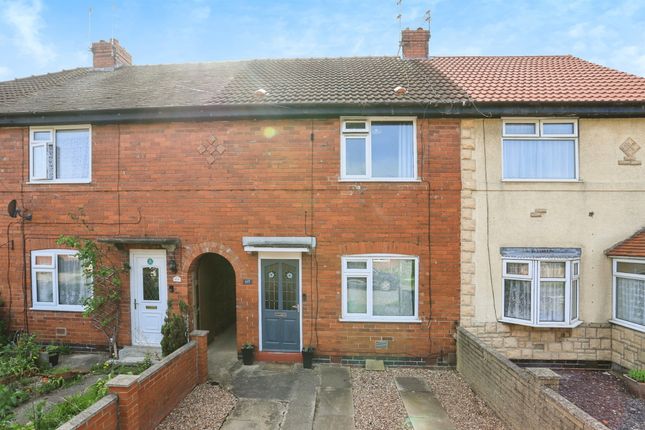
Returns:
point(280, 305)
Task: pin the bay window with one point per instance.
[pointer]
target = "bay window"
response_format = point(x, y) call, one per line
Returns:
point(629, 293)
point(380, 288)
point(540, 287)
point(57, 280)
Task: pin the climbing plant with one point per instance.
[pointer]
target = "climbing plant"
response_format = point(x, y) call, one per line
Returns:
point(103, 306)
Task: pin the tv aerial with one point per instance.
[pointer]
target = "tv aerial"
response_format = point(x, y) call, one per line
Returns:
point(14, 211)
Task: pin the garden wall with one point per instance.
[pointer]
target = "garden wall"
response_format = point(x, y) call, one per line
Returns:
point(627, 347)
point(519, 399)
point(143, 401)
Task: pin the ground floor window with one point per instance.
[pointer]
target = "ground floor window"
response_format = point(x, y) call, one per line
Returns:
point(540, 287)
point(57, 280)
point(629, 293)
point(380, 288)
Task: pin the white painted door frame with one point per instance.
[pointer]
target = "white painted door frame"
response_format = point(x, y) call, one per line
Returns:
point(136, 292)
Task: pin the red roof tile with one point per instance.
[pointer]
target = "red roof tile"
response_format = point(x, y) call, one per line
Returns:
point(558, 79)
point(631, 247)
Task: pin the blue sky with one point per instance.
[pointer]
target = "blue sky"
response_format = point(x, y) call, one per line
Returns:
point(39, 36)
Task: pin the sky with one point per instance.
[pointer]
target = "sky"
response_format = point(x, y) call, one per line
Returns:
point(40, 36)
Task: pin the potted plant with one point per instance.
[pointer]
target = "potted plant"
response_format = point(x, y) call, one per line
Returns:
point(308, 357)
point(635, 380)
point(247, 353)
point(53, 353)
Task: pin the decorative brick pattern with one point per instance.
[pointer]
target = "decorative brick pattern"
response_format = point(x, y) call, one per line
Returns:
point(517, 396)
point(627, 347)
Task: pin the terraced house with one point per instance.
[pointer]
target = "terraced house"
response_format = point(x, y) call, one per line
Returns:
point(362, 206)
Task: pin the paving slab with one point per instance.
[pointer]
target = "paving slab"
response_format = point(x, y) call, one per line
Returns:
point(302, 405)
point(334, 422)
point(377, 365)
point(334, 401)
point(257, 414)
point(256, 383)
point(334, 377)
point(424, 410)
point(410, 383)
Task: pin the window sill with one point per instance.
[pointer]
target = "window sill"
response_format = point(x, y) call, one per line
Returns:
point(413, 180)
point(629, 325)
point(84, 181)
point(556, 181)
point(368, 320)
point(56, 309)
point(543, 325)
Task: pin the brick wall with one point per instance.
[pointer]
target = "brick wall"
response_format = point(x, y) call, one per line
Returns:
point(258, 178)
point(513, 393)
point(102, 415)
point(627, 347)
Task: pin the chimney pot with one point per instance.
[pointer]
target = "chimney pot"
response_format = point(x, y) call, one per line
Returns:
point(414, 43)
point(110, 54)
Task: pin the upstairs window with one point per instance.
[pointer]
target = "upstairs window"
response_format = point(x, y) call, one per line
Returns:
point(539, 289)
point(629, 293)
point(60, 154)
point(540, 150)
point(379, 149)
point(57, 280)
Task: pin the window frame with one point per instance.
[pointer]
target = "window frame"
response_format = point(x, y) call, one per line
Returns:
point(367, 273)
point(52, 141)
point(614, 275)
point(536, 278)
point(50, 268)
point(366, 133)
point(539, 135)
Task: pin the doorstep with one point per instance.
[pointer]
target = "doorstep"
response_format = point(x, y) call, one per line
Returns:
point(278, 357)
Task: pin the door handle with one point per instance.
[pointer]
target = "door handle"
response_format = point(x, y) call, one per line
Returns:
point(296, 307)
point(135, 303)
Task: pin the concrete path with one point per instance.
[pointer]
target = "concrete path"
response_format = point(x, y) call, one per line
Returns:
point(424, 410)
point(222, 357)
point(334, 404)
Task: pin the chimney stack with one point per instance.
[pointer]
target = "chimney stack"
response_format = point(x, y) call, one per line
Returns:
point(109, 54)
point(415, 43)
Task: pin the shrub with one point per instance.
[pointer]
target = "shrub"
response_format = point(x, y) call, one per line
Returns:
point(174, 329)
point(637, 375)
point(9, 399)
point(19, 358)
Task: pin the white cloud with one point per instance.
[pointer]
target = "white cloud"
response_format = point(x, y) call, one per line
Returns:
point(25, 22)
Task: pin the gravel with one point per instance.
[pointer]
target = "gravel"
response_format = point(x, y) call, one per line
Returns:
point(603, 396)
point(206, 407)
point(464, 408)
point(377, 405)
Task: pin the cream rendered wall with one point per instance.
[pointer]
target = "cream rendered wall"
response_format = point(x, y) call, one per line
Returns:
point(614, 193)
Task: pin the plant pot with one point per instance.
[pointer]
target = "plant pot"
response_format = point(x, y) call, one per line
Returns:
point(53, 358)
point(247, 356)
point(636, 388)
point(307, 359)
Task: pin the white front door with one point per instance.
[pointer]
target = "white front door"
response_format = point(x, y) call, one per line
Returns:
point(149, 295)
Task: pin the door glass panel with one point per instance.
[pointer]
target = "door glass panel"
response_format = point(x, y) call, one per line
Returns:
point(289, 287)
point(357, 295)
point(271, 286)
point(150, 283)
point(44, 287)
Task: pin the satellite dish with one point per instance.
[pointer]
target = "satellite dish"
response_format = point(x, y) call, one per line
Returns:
point(12, 209)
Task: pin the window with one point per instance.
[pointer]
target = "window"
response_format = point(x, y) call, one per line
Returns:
point(629, 293)
point(541, 292)
point(380, 288)
point(57, 280)
point(60, 154)
point(379, 149)
point(545, 149)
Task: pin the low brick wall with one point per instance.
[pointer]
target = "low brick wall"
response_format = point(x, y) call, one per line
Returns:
point(142, 401)
point(627, 347)
point(102, 415)
point(513, 393)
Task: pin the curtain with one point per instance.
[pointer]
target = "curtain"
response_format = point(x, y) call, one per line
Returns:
point(392, 149)
point(406, 151)
point(72, 154)
point(552, 301)
point(44, 287)
point(517, 299)
point(630, 300)
point(72, 288)
point(539, 159)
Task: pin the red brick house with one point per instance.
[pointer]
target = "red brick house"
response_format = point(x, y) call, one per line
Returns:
point(309, 202)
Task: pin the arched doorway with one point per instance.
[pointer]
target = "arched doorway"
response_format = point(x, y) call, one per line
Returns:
point(214, 294)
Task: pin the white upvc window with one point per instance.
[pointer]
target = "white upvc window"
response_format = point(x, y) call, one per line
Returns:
point(541, 292)
point(380, 288)
point(629, 293)
point(540, 149)
point(57, 280)
point(378, 149)
point(61, 154)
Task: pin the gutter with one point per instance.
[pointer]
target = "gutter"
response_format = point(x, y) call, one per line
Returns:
point(274, 111)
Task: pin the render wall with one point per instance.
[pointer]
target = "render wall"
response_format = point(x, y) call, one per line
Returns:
point(211, 183)
point(604, 207)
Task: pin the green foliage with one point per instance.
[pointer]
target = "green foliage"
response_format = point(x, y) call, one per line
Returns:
point(19, 358)
point(9, 399)
point(174, 329)
point(111, 368)
point(248, 345)
point(637, 375)
point(103, 306)
point(52, 384)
